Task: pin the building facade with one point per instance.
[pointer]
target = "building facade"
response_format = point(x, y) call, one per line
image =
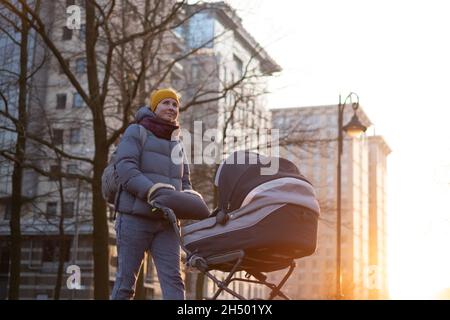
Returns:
point(309, 139)
point(378, 152)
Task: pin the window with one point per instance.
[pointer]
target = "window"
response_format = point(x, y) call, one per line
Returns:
point(68, 209)
point(61, 101)
point(119, 108)
point(4, 260)
point(80, 66)
point(225, 71)
point(8, 208)
point(176, 81)
point(51, 209)
point(194, 71)
point(239, 65)
point(67, 33)
point(77, 100)
point(70, 3)
point(50, 250)
point(200, 33)
point(252, 106)
point(55, 171)
point(72, 168)
point(75, 136)
point(58, 136)
point(82, 34)
point(159, 64)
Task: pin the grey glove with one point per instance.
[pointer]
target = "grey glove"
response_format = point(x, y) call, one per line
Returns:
point(157, 186)
point(193, 192)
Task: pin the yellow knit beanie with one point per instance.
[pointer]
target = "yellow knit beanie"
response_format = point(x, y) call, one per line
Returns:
point(161, 94)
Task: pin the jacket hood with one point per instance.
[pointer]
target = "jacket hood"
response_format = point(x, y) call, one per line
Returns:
point(144, 112)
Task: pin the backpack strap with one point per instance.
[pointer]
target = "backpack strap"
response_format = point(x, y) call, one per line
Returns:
point(116, 204)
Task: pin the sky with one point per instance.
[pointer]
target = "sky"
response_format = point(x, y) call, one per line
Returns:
point(396, 56)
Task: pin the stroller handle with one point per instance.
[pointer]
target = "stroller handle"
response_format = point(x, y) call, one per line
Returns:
point(167, 212)
point(172, 218)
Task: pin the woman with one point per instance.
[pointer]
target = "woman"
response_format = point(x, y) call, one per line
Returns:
point(144, 170)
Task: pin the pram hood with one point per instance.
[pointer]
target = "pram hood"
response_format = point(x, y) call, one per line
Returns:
point(243, 171)
point(262, 201)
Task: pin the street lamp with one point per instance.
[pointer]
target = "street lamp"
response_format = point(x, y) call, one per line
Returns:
point(354, 129)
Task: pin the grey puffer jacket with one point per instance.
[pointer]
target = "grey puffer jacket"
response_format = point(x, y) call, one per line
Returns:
point(139, 168)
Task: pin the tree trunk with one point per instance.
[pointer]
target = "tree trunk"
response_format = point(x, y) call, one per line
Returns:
point(62, 244)
point(101, 232)
point(16, 196)
point(60, 272)
point(100, 222)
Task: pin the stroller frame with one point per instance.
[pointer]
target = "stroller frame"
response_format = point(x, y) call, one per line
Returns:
point(234, 258)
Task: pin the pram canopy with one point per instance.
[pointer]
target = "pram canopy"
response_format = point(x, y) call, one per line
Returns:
point(272, 218)
point(242, 171)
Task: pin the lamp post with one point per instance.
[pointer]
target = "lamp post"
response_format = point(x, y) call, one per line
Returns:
point(354, 128)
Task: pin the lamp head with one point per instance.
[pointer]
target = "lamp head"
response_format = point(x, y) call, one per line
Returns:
point(354, 128)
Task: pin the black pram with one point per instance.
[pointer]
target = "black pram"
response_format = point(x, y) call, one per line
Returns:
point(262, 224)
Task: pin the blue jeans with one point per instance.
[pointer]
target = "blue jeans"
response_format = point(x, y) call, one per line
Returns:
point(135, 235)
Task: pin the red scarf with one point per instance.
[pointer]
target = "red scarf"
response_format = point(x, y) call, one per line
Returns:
point(159, 127)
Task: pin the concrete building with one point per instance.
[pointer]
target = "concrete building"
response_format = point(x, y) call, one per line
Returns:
point(378, 152)
point(231, 64)
point(309, 139)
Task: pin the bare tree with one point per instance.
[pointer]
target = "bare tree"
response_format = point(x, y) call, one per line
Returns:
point(129, 51)
point(9, 26)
